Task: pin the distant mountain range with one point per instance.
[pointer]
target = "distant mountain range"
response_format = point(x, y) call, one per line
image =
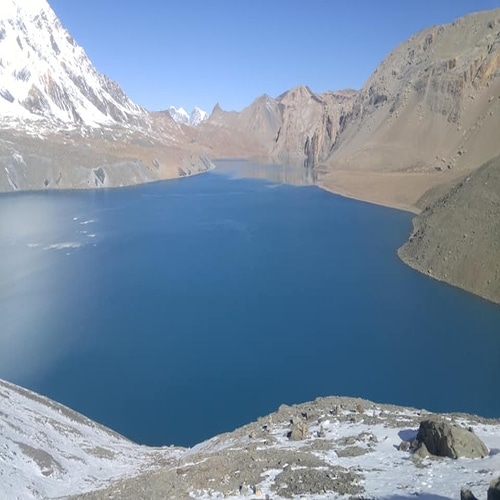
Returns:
point(180, 115)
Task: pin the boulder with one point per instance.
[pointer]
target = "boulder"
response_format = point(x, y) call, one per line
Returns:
point(445, 440)
point(494, 489)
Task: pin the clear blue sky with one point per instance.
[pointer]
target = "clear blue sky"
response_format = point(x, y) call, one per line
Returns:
point(200, 52)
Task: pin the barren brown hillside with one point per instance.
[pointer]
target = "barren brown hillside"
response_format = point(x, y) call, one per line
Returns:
point(457, 237)
point(431, 104)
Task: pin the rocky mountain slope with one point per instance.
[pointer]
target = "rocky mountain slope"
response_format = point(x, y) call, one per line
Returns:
point(65, 125)
point(456, 238)
point(297, 127)
point(322, 449)
point(47, 76)
point(431, 104)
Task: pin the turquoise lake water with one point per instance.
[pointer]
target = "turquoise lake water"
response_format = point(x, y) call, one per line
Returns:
point(177, 310)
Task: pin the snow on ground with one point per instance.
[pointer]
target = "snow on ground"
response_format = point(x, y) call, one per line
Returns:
point(47, 450)
point(387, 472)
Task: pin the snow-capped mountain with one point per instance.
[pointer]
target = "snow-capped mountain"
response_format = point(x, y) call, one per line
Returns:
point(180, 115)
point(44, 74)
point(197, 116)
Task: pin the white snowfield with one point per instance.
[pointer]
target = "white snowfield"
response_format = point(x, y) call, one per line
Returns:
point(49, 451)
point(45, 75)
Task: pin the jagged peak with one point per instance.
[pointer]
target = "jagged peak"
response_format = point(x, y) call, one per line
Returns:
point(216, 109)
point(301, 92)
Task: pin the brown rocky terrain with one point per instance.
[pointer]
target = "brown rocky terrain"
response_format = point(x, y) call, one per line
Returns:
point(429, 111)
point(297, 127)
point(431, 104)
point(456, 238)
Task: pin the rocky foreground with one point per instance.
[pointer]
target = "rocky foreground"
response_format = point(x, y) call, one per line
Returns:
point(327, 448)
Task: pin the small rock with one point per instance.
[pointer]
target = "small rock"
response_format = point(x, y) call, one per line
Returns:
point(494, 489)
point(421, 451)
point(244, 490)
point(404, 446)
point(466, 494)
point(298, 432)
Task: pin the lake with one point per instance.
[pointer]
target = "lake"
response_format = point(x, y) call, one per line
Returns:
point(174, 311)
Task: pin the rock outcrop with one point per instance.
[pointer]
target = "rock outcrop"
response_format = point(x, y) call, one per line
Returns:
point(494, 489)
point(444, 440)
point(310, 124)
point(466, 494)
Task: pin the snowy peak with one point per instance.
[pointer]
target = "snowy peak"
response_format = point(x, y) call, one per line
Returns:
point(197, 116)
point(45, 75)
point(180, 115)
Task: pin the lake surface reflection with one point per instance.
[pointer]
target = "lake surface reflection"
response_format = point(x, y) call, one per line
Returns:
point(177, 310)
point(294, 175)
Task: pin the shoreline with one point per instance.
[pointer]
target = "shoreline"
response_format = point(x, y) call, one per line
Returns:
point(398, 190)
point(387, 204)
